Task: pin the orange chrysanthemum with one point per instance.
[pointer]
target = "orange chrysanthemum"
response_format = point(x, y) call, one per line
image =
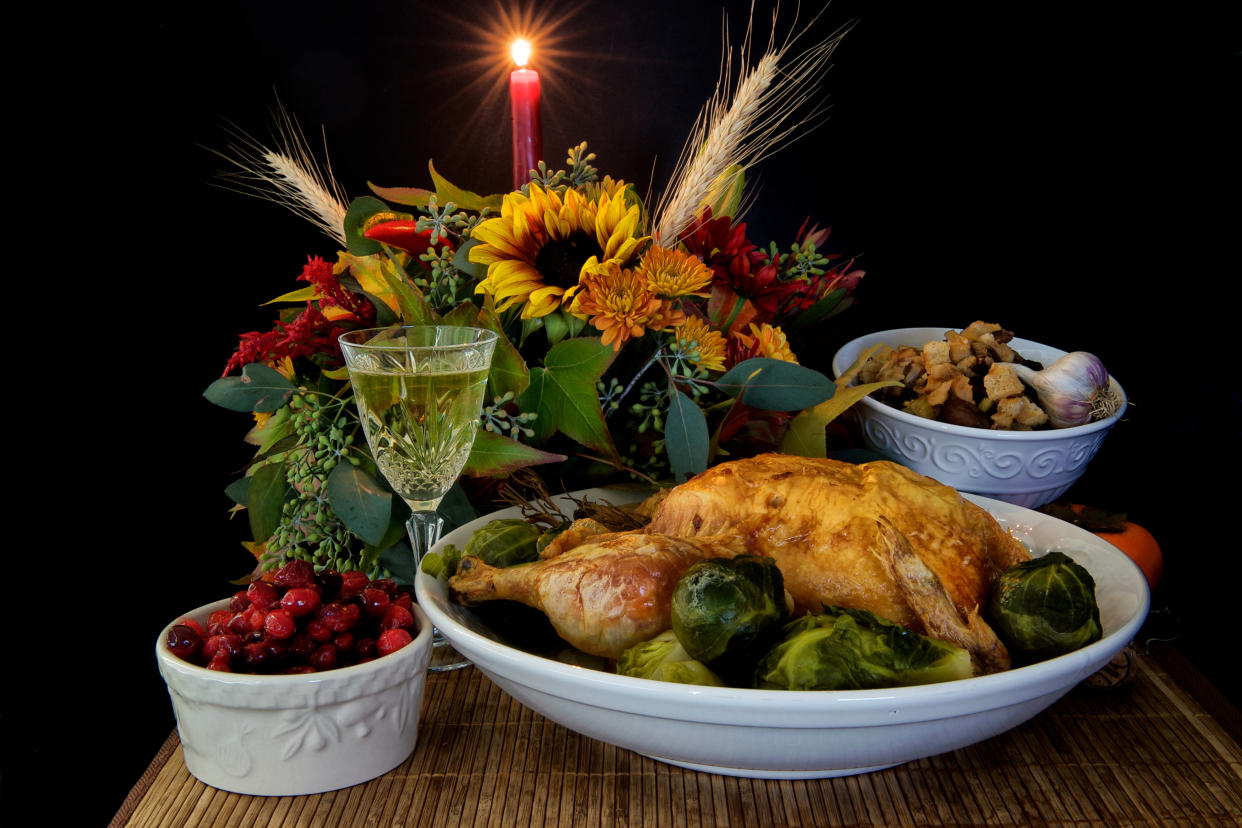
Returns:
point(705, 346)
point(617, 302)
point(672, 274)
point(765, 341)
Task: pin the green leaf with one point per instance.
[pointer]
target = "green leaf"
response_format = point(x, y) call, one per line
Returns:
point(259, 389)
point(830, 304)
point(411, 303)
point(556, 325)
point(361, 503)
point(239, 491)
point(456, 509)
point(405, 196)
point(776, 385)
point(494, 454)
point(461, 260)
point(300, 295)
point(562, 393)
point(265, 499)
point(398, 559)
point(446, 191)
point(725, 195)
point(508, 371)
point(465, 315)
point(361, 209)
point(805, 436)
point(685, 437)
point(277, 427)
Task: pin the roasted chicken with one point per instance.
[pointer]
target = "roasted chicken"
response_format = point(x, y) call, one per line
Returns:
point(874, 536)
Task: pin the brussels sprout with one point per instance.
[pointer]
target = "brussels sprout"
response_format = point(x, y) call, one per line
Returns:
point(725, 611)
point(845, 649)
point(1045, 607)
point(664, 659)
point(504, 543)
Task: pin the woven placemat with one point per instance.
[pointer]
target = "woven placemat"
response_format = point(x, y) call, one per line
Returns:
point(1143, 754)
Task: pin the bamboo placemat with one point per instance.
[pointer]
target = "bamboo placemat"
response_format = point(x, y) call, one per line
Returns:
point(1143, 755)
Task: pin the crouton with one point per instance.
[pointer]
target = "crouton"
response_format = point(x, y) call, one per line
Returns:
point(936, 353)
point(1001, 381)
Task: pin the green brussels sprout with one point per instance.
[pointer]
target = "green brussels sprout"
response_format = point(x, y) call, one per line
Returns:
point(846, 649)
point(664, 659)
point(1045, 607)
point(504, 543)
point(725, 611)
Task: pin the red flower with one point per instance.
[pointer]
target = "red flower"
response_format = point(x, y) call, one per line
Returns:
point(723, 247)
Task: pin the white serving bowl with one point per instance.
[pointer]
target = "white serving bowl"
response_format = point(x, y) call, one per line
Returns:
point(1026, 468)
point(288, 735)
point(803, 735)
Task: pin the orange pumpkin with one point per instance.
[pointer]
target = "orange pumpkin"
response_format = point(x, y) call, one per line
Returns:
point(1138, 544)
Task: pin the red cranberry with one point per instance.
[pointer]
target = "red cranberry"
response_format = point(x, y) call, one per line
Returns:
point(296, 573)
point(344, 642)
point(365, 648)
point(218, 621)
point(184, 641)
point(300, 600)
point(194, 625)
point(225, 644)
point(329, 582)
point(386, 584)
point(339, 617)
point(392, 640)
point(262, 594)
point(324, 658)
point(319, 631)
point(375, 601)
point(239, 601)
point(302, 645)
point(280, 624)
point(300, 668)
point(397, 617)
point(254, 656)
point(353, 583)
point(404, 599)
point(220, 663)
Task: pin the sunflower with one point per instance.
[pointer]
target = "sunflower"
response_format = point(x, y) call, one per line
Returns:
point(672, 274)
point(535, 250)
point(704, 346)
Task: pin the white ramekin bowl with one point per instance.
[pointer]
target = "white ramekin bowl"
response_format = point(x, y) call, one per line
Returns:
point(287, 735)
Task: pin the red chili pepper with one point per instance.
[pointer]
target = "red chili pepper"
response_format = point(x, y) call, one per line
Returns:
point(404, 234)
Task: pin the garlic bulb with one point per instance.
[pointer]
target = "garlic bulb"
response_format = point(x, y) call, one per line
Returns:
point(1074, 390)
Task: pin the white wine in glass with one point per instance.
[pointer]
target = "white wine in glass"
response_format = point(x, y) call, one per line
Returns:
point(419, 392)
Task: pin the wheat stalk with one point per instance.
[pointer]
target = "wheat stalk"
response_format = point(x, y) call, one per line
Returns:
point(745, 125)
point(289, 176)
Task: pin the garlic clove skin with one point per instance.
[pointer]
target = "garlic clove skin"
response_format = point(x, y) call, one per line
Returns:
point(1074, 390)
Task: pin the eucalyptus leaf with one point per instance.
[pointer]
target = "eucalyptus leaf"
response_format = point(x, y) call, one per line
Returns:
point(361, 209)
point(685, 437)
point(360, 501)
point(265, 499)
point(776, 385)
point(259, 389)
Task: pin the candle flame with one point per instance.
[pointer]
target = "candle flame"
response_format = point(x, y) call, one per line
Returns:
point(520, 50)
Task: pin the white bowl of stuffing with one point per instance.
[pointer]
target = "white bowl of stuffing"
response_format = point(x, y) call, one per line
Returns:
point(981, 410)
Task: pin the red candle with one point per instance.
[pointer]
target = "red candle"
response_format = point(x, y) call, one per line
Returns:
point(527, 130)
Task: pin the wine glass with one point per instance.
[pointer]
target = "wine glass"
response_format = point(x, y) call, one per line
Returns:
point(419, 391)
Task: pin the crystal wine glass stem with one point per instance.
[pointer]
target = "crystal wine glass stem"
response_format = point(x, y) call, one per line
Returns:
point(424, 529)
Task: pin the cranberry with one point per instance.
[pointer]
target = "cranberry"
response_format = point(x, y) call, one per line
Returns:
point(392, 640)
point(324, 658)
point(218, 621)
point(262, 594)
point(404, 599)
point(220, 663)
point(397, 617)
point(227, 644)
point(365, 648)
point(386, 584)
point(302, 645)
point(300, 600)
point(239, 601)
point(344, 642)
point(319, 631)
point(329, 582)
point(296, 573)
point(194, 625)
point(254, 656)
point(184, 641)
point(300, 668)
point(280, 624)
point(340, 617)
point(353, 583)
point(375, 601)
point(277, 649)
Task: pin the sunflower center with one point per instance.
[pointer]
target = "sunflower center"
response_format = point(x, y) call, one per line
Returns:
point(560, 261)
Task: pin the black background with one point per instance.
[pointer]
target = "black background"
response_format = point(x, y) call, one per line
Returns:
point(1067, 170)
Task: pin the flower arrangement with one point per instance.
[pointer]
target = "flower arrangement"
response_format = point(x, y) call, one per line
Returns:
point(634, 344)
